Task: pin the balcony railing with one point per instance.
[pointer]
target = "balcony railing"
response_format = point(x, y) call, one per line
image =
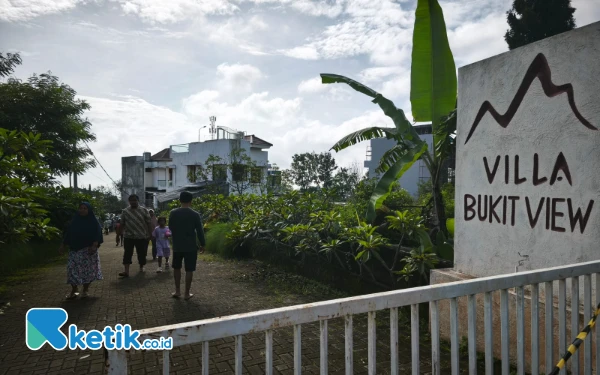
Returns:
point(204, 331)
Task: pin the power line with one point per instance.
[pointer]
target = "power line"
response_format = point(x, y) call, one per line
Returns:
point(100, 164)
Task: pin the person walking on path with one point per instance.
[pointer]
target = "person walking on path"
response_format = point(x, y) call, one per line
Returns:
point(83, 236)
point(119, 233)
point(154, 224)
point(137, 232)
point(187, 232)
point(161, 237)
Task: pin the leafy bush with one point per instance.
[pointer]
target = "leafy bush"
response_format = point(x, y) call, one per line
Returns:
point(425, 197)
point(23, 255)
point(310, 228)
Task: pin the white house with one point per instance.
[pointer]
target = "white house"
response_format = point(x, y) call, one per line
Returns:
point(159, 178)
point(418, 173)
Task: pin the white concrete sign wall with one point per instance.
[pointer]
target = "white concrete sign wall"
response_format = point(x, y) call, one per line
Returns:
point(528, 157)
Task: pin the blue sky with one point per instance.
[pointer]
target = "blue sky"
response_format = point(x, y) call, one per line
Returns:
point(155, 70)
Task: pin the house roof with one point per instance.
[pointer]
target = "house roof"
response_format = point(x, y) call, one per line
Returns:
point(164, 155)
point(257, 141)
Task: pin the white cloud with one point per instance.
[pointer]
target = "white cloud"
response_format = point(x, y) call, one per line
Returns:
point(331, 92)
point(237, 32)
point(318, 8)
point(307, 52)
point(311, 86)
point(164, 12)
point(379, 28)
point(586, 12)
point(478, 40)
point(128, 126)
point(377, 74)
point(255, 113)
point(238, 76)
point(23, 10)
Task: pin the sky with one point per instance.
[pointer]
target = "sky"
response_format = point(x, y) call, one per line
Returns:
point(154, 71)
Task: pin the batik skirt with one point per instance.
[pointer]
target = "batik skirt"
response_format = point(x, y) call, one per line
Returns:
point(83, 267)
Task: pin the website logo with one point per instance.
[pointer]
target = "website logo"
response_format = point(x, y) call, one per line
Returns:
point(43, 326)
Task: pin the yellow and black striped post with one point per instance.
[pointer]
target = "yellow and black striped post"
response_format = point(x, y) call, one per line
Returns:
point(576, 343)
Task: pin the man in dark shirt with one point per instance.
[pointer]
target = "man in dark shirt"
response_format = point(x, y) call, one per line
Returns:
point(188, 237)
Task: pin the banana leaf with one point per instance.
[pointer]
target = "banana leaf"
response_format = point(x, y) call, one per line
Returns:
point(385, 184)
point(433, 72)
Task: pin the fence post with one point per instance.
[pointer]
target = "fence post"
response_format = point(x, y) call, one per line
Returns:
point(116, 362)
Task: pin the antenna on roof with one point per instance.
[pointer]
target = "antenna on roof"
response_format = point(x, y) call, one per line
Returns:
point(213, 129)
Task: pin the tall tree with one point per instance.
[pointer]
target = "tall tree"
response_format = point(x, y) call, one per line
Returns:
point(312, 169)
point(304, 170)
point(325, 166)
point(8, 63)
point(345, 182)
point(45, 106)
point(533, 20)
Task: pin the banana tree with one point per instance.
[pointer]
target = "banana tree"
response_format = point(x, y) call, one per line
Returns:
point(433, 98)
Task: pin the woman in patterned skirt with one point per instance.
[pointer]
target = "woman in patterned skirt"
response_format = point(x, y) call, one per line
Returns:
point(83, 237)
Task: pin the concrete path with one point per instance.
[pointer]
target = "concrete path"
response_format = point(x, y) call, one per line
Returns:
point(143, 301)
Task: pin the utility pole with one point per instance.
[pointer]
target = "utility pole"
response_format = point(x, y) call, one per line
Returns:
point(75, 182)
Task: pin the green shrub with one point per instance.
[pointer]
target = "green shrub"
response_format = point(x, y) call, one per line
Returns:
point(24, 255)
point(217, 242)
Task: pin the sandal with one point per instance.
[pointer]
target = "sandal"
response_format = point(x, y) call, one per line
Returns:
point(71, 296)
point(123, 274)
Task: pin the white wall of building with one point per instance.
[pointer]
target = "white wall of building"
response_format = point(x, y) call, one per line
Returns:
point(198, 152)
point(535, 216)
point(411, 178)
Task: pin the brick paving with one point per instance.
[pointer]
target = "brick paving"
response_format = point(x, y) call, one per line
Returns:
point(143, 301)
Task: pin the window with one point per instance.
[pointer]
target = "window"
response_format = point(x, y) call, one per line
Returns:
point(274, 180)
point(191, 173)
point(239, 173)
point(256, 175)
point(219, 173)
point(148, 169)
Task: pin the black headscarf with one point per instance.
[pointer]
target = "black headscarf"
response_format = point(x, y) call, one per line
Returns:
point(83, 230)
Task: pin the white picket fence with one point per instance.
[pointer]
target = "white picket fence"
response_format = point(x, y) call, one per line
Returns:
point(204, 331)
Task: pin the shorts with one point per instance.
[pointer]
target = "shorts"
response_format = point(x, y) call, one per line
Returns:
point(163, 251)
point(189, 257)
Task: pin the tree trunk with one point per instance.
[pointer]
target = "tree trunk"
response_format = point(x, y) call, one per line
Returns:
point(438, 205)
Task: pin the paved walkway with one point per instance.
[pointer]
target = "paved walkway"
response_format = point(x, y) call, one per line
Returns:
point(143, 301)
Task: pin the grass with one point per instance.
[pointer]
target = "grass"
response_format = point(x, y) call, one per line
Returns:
point(25, 255)
point(217, 242)
point(283, 284)
point(24, 274)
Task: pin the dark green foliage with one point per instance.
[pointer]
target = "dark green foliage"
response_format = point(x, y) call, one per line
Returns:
point(19, 256)
point(313, 228)
point(345, 182)
point(312, 169)
point(45, 106)
point(8, 63)
point(425, 197)
point(533, 20)
point(23, 176)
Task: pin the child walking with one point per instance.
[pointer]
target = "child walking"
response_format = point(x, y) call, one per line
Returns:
point(161, 234)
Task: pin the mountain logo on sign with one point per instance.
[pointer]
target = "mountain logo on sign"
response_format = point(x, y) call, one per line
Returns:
point(538, 69)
